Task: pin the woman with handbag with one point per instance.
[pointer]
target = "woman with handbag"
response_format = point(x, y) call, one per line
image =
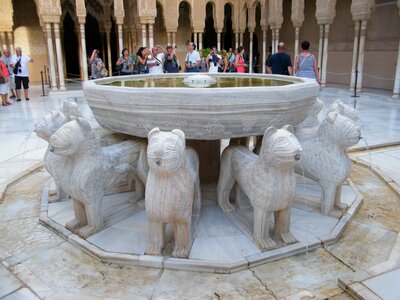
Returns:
point(124, 64)
point(97, 66)
point(4, 79)
point(305, 63)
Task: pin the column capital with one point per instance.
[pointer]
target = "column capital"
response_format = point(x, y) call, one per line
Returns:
point(275, 14)
point(361, 9)
point(297, 13)
point(326, 11)
point(147, 20)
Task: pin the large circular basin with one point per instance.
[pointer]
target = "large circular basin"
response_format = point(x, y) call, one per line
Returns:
point(236, 105)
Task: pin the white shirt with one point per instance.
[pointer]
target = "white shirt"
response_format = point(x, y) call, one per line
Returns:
point(157, 69)
point(192, 57)
point(24, 65)
point(10, 60)
point(213, 68)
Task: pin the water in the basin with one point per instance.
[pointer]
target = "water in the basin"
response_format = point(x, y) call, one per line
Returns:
point(173, 82)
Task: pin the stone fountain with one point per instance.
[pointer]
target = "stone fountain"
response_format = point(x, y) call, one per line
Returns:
point(186, 222)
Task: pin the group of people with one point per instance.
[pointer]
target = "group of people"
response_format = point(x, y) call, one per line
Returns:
point(158, 60)
point(305, 64)
point(14, 74)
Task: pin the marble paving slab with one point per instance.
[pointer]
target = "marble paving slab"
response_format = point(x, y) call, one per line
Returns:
point(386, 286)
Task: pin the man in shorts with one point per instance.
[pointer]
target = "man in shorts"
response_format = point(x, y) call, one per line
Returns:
point(21, 73)
point(9, 60)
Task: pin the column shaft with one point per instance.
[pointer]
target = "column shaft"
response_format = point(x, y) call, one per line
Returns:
point(241, 39)
point(3, 40)
point(168, 38)
point(361, 48)
point(320, 46)
point(84, 53)
point(355, 54)
point(273, 42)
point(173, 39)
point(276, 38)
point(10, 41)
point(264, 50)
point(195, 40)
point(236, 40)
point(251, 53)
point(200, 40)
point(396, 88)
point(296, 41)
point(219, 41)
point(151, 36)
point(144, 35)
point(50, 49)
point(325, 55)
point(60, 56)
point(120, 38)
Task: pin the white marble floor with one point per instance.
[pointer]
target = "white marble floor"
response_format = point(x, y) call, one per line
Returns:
point(21, 150)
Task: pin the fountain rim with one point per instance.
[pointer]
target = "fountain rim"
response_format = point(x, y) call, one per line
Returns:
point(296, 82)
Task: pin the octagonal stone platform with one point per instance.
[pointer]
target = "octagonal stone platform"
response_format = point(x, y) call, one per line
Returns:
point(222, 243)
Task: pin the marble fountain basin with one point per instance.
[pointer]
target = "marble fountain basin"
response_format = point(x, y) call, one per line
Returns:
point(236, 105)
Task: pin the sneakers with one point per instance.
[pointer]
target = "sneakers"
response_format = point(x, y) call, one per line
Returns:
point(27, 99)
point(19, 99)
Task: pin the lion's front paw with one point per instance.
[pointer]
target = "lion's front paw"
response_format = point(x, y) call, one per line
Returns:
point(180, 251)
point(266, 243)
point(153, 249)
point(288, 238)
point(86, 231)
point(73, 225)
point(226, 207)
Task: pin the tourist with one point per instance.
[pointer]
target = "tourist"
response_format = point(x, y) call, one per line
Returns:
point(9, 60)
point(229, 53)
point(141, 61)
point(268, 56)
point(213, 61)
point(224, 61)
point(96, 65)
point(239, 61)
point(280, 62)
point(125, 63)
point(21, 73)
point(202, 65)
point(155, 61)
point(305, 63)
point(4, 79)
point(171, 62)
point(232, 67)
point(192, 60)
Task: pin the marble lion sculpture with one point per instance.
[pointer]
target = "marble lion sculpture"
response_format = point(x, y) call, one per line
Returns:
point(325, 158)
point(268, 180)
point(172, 191)
point(45, 128)
point(89, 170)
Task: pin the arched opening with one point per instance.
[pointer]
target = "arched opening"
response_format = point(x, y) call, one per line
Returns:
point(210, 35)
point(92, 35)
point(228, 35)
point(184, 24)
point(160, 32)
point(257, 42)
point(71, 47)
point(113, 44)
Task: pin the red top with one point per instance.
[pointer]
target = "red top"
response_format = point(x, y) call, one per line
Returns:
point(4, 69)
point(241, 69)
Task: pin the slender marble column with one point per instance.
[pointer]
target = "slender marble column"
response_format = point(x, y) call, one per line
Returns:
point(396, 88)
point(200, 40)
point(355, 54)
point(236, 40)
point(83, 50)
point(273, 41)
point(168, 38)
point(173, 39)
point(109, 52)
point(10, 41)
point(219, 41)
point(296, 41)
point(151, 36)
point(325, 55)
point(50, 50)
point(120, 38)
point(3, 40)
point(264, 50)
point(144, 35)
point(240, 38)
point(195, 40)
point(60, 56)
point(276, 38)
point(363, 30)
point(320, 46)
point(251, 52)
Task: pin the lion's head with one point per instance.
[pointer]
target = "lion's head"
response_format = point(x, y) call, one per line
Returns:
point(166, 151)
point(49, 124)
point(280, 147)
point(73, 137)
point(339, 130)
point(344, 110)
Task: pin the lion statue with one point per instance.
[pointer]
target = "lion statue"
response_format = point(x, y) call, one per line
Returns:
point(325, 158)
point(172, 191)
point(45, 128)
point(90, 170)
point(268, 180)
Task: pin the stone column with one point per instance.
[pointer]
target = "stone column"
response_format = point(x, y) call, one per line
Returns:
point(236, 40)
point(264, 49)
point(151, 36)
point(83, 51)
point(320, 46)
point(325, 55)
point(174, 39)
point(10, 41)
point(361, 48)
point(273, 41)
point(195, 39)
point(120, 38)
point(168, 38)
point(3, 40)
point(200, 40)
point(355, 55)
point(60, 62)
point(296, 40)
point(219, 40)
point(251, 51)
point(276, 37)
point(144, 35)
point(50, 50)
point(110, 63)
point(240, 38)
point(396, 88)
